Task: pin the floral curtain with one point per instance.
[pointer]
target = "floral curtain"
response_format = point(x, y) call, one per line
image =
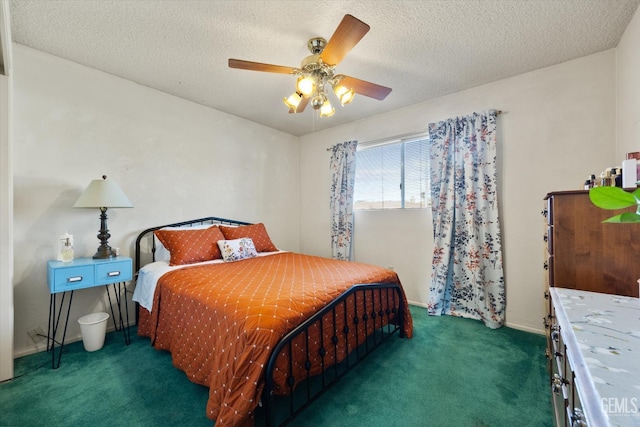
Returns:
point(467, 275)
point(343, 173)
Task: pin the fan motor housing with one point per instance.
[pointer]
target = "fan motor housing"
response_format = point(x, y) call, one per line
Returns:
point(311, 63)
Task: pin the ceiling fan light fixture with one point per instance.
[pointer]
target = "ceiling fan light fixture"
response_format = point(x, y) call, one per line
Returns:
point(305, 85)
point(317, 71)
point(327, 110)
point(344, 94)
point(293, 100)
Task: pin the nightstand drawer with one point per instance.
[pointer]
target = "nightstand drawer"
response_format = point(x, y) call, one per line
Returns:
point(67, 279)
point(113, 271)
point(87, 272)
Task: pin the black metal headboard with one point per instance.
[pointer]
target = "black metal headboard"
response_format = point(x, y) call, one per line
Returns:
point(146, 241)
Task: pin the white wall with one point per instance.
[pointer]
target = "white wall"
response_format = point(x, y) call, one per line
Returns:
point(557, 127)
point(6, 233)
point(6, 199)
point(628, 90)
point(174, 159)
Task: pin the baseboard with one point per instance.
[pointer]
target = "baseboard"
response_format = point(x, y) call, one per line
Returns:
point(524, 328)
point(42, 345)
point(507, 324)
point(418, 304)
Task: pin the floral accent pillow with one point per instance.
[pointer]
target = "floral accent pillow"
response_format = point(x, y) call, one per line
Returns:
point(256, 232)
point(191, 246)
point(235, 250)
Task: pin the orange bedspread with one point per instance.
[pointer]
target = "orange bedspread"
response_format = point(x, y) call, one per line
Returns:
point(221, 321)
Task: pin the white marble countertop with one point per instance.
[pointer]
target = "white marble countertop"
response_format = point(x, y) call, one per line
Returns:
point(606, 330)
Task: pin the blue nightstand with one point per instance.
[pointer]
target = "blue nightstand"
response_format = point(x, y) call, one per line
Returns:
point(81, 273)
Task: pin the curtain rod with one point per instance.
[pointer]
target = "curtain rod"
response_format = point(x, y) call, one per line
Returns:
point(374, 141)
point(404, 135)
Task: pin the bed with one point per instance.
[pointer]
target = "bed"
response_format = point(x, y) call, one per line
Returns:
point(267, 331)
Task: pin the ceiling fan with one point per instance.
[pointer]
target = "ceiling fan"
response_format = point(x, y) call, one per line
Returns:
point(317, 71)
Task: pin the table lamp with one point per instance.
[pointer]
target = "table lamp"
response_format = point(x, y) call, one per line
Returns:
point(103, 194)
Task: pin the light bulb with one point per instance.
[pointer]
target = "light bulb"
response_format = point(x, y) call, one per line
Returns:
point(305, 85)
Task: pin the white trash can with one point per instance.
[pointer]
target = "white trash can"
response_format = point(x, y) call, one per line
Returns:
point(93, 328)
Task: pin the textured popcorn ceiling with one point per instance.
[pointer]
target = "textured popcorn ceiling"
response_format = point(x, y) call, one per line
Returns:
point(421, 49)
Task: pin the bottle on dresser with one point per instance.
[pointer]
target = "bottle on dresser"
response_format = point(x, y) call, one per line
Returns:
point(617, 180)
point(590, 182)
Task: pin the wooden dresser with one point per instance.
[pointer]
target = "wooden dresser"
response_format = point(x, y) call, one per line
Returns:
point(584, 254)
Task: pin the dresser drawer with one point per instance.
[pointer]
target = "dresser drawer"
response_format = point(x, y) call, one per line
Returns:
point(548, 238)
point(113, 272)
point(71, 278)
point(549, 266)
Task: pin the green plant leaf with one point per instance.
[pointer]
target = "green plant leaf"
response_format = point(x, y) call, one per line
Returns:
point(626, 217)
point(612, 197)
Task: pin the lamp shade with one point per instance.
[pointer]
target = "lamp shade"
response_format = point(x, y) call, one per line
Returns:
point(344, 94)
point(293, 100)
point(103, 193)
point(327, 110)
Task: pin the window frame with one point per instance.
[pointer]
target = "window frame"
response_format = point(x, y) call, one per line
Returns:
point(402, 140)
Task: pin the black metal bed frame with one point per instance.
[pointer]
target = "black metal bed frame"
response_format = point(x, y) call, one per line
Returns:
point(303, 391)
point(201, 221)
point(380, 322)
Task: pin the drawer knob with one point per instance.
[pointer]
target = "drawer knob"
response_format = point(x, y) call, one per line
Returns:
point(113, 274)
point(544, 213)
point(577, 418)
point(545, 265)
point(545, 238)
point(74, 279)
point(556, 383)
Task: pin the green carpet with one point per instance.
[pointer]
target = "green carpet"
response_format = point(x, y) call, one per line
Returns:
point(454, 372)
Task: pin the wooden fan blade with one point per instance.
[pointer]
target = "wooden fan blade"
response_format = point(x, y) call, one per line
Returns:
point(259, 66)
point(347, 35)
point(303, 104)
point(362, 87)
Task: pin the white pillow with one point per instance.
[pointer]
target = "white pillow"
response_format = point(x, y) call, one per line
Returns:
point(162, 253)
point(235, 250)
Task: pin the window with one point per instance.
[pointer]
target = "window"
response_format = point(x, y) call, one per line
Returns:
point(392, 174)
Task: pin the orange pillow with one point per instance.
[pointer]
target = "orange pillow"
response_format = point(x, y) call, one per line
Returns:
point(190, 246)
point(256, 232)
